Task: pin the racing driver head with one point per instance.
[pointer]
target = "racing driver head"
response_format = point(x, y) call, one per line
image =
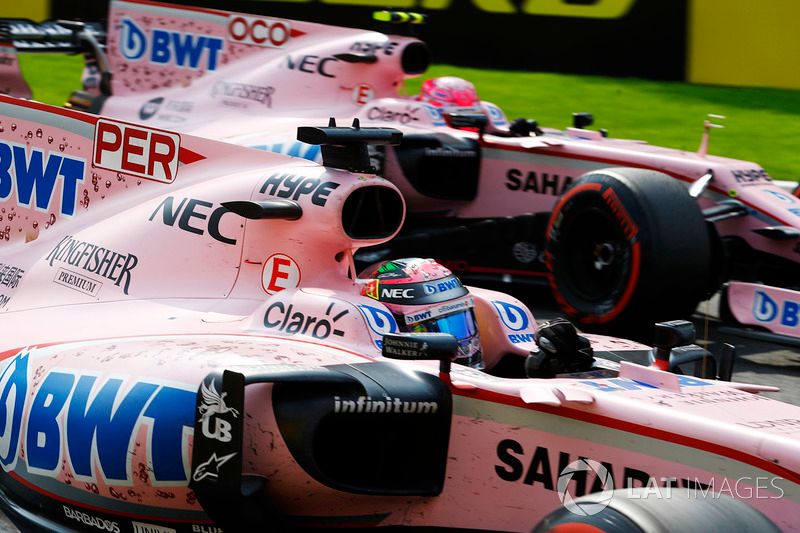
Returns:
point(448, 91)
point(424, 296)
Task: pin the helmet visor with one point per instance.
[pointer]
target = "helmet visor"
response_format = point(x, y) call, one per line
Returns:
point(462, 326)
point(459, 325)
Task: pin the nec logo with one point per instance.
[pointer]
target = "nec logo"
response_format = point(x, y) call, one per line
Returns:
point(396, 293)
point(311, 64)
point(260, 32)
point(168, 47)
point(136, 150)
point(34, 173)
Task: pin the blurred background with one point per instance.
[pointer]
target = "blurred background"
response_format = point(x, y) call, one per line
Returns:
point(728, 42)
point(646, 69)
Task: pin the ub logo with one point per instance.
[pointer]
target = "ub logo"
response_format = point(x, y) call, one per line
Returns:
point(211, 411)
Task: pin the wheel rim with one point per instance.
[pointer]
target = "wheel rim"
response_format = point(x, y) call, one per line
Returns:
point(597, 256)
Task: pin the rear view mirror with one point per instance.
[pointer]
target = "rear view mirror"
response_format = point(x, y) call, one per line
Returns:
point(466, 120)
point(421, 346)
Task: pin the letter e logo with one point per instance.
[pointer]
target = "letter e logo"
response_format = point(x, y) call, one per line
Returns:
point(280, 272)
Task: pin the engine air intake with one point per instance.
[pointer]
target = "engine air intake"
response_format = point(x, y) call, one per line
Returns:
point(372, 212)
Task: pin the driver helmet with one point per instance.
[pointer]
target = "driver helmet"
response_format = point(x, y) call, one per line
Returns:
point(448, 91)
point(424, 296)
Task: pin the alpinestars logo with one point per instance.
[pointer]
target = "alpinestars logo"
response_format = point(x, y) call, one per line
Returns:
point(210, 468)
point(211, 411)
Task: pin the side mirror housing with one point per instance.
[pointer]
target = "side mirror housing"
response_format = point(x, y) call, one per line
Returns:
point(421, 346)
point(670, 335)
point(467, 120)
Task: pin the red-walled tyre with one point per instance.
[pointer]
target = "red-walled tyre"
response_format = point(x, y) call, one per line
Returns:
point(628, 247)
point(647, 511)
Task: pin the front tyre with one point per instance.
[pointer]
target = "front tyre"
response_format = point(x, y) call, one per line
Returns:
point(643, 510)
point(628, 246)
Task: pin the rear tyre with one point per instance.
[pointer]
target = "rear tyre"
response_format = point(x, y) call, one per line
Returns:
point(628, 247)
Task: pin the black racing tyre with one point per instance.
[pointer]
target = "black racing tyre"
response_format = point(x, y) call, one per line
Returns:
point(648, 511)
point(628, 247)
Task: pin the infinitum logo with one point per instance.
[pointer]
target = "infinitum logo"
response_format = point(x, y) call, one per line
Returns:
point(365, 404)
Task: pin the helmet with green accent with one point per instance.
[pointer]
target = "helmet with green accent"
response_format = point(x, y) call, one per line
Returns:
point(424, 296)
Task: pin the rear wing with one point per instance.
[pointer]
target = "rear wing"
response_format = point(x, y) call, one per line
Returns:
point(53, 36)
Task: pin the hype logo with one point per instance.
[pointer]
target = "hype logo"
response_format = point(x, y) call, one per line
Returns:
point(169, 47)
point(513, 316)
point(764, 308)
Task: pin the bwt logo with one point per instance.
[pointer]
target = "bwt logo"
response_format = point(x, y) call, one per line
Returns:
point(168, 47)
point(766, 309)
point(312, 152)
point(513, 316)
point(442, 286)
point(91, 424)
point(34, 173)
point(379, 321)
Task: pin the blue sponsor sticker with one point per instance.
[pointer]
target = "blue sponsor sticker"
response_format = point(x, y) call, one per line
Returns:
point(785, 198)
point(91, 423)
point(35, 174)
point(623, 384)
point(513, 316)
point(299, 149)
point(168, 47)
point(435, 114)
point(497, 116)
point(379, 321)
point(766, 309)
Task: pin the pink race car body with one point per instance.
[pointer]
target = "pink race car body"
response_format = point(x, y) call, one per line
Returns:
point(252, 80)
point(185, 348)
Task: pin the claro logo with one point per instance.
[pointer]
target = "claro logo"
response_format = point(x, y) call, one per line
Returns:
point(595, 9)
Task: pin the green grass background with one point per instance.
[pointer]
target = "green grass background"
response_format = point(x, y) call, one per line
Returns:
point(762, 125)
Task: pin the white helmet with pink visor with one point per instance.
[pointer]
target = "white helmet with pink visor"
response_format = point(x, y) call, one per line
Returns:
point(424, 296)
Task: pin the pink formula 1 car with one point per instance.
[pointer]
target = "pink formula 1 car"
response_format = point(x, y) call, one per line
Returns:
point(607, 221)
point(186, 348)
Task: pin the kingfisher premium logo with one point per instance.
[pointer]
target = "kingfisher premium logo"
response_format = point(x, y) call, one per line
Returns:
point(94, 259)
